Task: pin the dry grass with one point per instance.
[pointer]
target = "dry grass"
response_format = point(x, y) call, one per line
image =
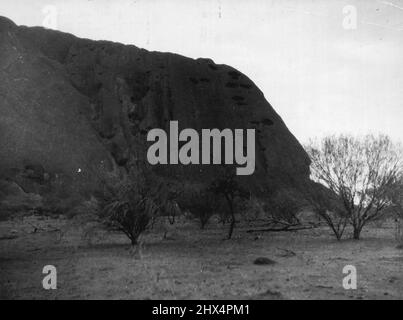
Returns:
point(196, 264)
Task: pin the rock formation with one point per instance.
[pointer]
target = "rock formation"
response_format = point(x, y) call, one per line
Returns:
point(71, 106)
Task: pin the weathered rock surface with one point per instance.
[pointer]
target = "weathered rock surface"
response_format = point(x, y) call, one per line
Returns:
point(70, 106)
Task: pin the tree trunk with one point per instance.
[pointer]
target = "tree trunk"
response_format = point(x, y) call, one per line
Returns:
point(231, 227)
point(357, 233)
point(134, 238)
point(232, 224)
point(202, 224)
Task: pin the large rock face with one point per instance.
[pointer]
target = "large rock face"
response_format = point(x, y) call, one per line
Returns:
point(70, 106)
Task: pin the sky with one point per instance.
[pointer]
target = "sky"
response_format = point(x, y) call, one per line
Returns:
point(326, 66)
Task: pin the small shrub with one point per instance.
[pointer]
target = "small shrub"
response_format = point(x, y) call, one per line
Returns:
point(169, 193)
point(254, 209)
point(204, 206)
point(128, 204)
point(283, 207)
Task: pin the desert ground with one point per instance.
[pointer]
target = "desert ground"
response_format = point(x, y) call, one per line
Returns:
point(193, 264)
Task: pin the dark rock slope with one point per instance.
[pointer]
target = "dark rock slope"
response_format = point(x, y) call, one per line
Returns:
point(69, 106)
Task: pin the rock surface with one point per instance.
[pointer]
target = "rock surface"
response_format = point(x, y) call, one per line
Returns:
point(71, 106)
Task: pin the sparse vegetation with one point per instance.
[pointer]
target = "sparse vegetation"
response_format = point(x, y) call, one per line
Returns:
point(228, 186)
point(202, 204)
point(359, 171)
point(327, 207)
point(283, 208)
point(128, 203)
point(395, 195)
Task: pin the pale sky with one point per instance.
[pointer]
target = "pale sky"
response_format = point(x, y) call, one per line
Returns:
point(319, 76)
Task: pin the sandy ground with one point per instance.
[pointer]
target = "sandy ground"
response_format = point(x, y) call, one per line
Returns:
point(194, 264)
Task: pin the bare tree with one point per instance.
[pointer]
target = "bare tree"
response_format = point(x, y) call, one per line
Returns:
point(328, 207)
point(227, 186)
point(359, 171)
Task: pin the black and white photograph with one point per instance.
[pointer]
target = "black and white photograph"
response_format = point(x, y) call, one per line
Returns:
point(201, 150)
